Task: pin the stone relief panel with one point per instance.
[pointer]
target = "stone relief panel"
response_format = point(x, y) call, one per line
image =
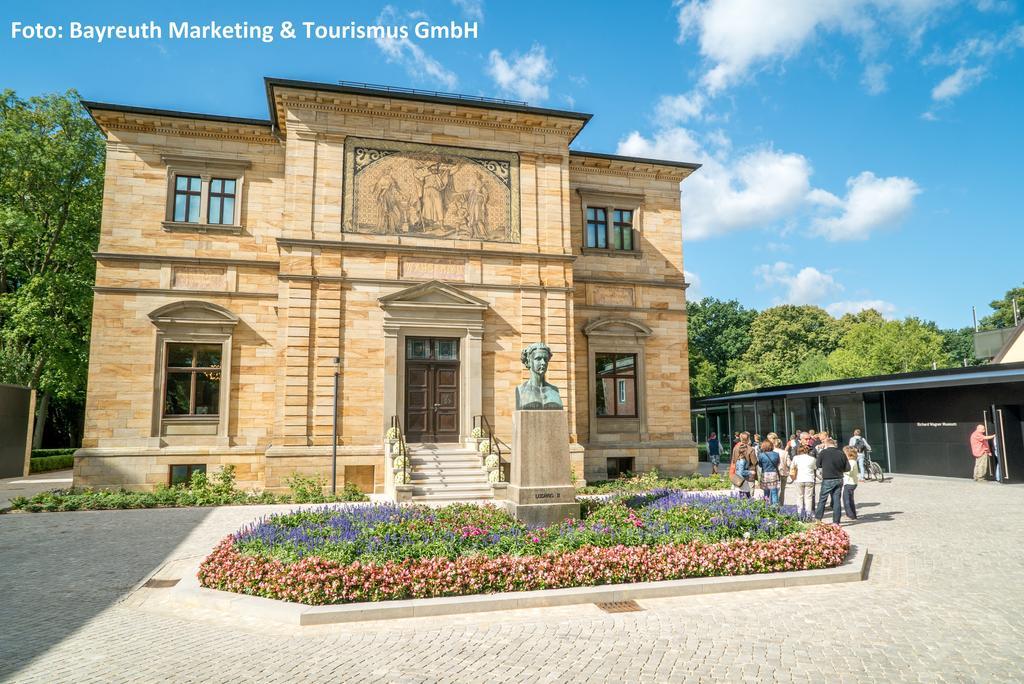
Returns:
point(192, 278)
point(611, 296)
point(399, 188)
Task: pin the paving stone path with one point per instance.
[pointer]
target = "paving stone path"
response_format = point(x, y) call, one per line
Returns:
point(943, 604)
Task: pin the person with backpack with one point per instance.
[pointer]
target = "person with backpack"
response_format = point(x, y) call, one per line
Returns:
point(862, 447)
point(769, 461)
point(741, 470)
point(714, 452)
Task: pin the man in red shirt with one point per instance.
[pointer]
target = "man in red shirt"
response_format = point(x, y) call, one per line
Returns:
point(981, 451)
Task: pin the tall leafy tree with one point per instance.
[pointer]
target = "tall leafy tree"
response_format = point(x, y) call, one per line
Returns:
point(783, 338)
point(1002, 310)
point(719, 334)
point(957, 345)
point(879, 347)
point(51, 192)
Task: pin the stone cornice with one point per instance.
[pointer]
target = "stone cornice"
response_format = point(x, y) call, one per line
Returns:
point(181, 293)
point(671, 283)
point(192, 261)
point(609, 166)
point(426, 112)
point(161, 124)
point(421, 249)
point(504, 287)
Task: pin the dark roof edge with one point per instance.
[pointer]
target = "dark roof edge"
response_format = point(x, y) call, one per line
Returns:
point(825, 384)
point(398, 95)
point(91, 105)
point(636, 160)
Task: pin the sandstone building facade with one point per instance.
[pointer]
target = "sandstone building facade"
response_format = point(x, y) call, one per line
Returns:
point(410, 243)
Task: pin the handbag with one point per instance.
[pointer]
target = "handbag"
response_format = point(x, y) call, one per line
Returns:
point(736, 480)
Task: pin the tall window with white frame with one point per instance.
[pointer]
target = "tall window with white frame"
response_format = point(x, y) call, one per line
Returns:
point(187, 198)
point(222, 201)
point(597, 228)
point(619, 238)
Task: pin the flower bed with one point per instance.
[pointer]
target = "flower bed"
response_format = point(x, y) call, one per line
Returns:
point(386, 552)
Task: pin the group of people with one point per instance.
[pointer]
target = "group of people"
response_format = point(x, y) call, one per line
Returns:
point(770, 463)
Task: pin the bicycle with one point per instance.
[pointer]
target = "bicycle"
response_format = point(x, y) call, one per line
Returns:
point(872, 470)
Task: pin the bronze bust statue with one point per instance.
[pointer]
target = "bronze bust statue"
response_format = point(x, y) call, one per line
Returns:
point(536, 393)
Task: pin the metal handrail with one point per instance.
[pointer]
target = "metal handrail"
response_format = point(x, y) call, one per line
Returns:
point(432, 93)
point(396, 423)
point(494, 443)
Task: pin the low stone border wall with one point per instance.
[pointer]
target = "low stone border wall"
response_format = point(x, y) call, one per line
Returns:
point(188, 592)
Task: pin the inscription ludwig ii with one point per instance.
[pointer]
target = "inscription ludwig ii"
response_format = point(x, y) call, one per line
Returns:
point(419, 268)
point(399, 188)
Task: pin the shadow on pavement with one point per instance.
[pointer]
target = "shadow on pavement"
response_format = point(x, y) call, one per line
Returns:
point(60, 570)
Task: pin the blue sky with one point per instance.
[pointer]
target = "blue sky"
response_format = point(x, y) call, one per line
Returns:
point(856, 152)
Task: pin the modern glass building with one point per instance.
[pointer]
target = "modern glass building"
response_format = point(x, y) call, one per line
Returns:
point(915, 422)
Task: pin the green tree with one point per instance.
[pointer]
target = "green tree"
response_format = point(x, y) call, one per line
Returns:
point(719, 334)
point(879, 347)
point(783, 338)
point(957, 345)
point(1002, 310)
point(51, 192)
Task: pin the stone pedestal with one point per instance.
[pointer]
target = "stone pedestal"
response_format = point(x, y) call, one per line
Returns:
point(539, 490)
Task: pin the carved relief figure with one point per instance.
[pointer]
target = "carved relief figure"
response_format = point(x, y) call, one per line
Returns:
point(435, 194)
point(396, 188)
point(390, 204)
point(536, 393)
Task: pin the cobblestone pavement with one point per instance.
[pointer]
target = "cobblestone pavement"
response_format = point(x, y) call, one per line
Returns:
point(942, 603)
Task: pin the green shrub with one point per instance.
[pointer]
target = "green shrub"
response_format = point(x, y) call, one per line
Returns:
point(42, 453)
point(311, 490)
point(43, 464)
point(652, 480)
point(217, 489)
point(351, 493)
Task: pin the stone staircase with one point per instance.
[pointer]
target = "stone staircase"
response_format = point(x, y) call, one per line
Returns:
point(446, 473)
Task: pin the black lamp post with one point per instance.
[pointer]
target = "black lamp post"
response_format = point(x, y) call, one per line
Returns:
point(334, 429)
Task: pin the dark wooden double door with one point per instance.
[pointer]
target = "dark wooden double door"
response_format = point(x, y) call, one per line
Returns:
point(432, 391)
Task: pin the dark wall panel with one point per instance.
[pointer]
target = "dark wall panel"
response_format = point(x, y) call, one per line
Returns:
point(929, 429)
point(14, 407)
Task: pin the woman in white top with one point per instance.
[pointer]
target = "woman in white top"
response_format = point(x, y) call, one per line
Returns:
point(802, 470)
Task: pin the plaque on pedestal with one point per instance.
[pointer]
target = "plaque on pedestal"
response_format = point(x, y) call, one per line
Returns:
point(539, 489)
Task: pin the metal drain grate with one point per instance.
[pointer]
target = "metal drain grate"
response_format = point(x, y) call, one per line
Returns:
point(619, 607)
point(161, 583)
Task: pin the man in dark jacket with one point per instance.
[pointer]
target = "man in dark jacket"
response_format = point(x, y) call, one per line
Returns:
point(833, 464)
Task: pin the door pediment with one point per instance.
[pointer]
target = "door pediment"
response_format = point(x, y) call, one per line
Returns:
point(432, 294)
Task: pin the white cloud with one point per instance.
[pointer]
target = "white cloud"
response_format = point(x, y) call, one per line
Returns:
point(693, 292)
point(874, 78)
point(524, 76)
point(673, 109)
point(870, 203)
point(411, 56)
point(838, 309)
point(806, 286)
point(737, 36)
point(752, 190)
point(472, 9)
point(979, 47)
point(957, 83)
